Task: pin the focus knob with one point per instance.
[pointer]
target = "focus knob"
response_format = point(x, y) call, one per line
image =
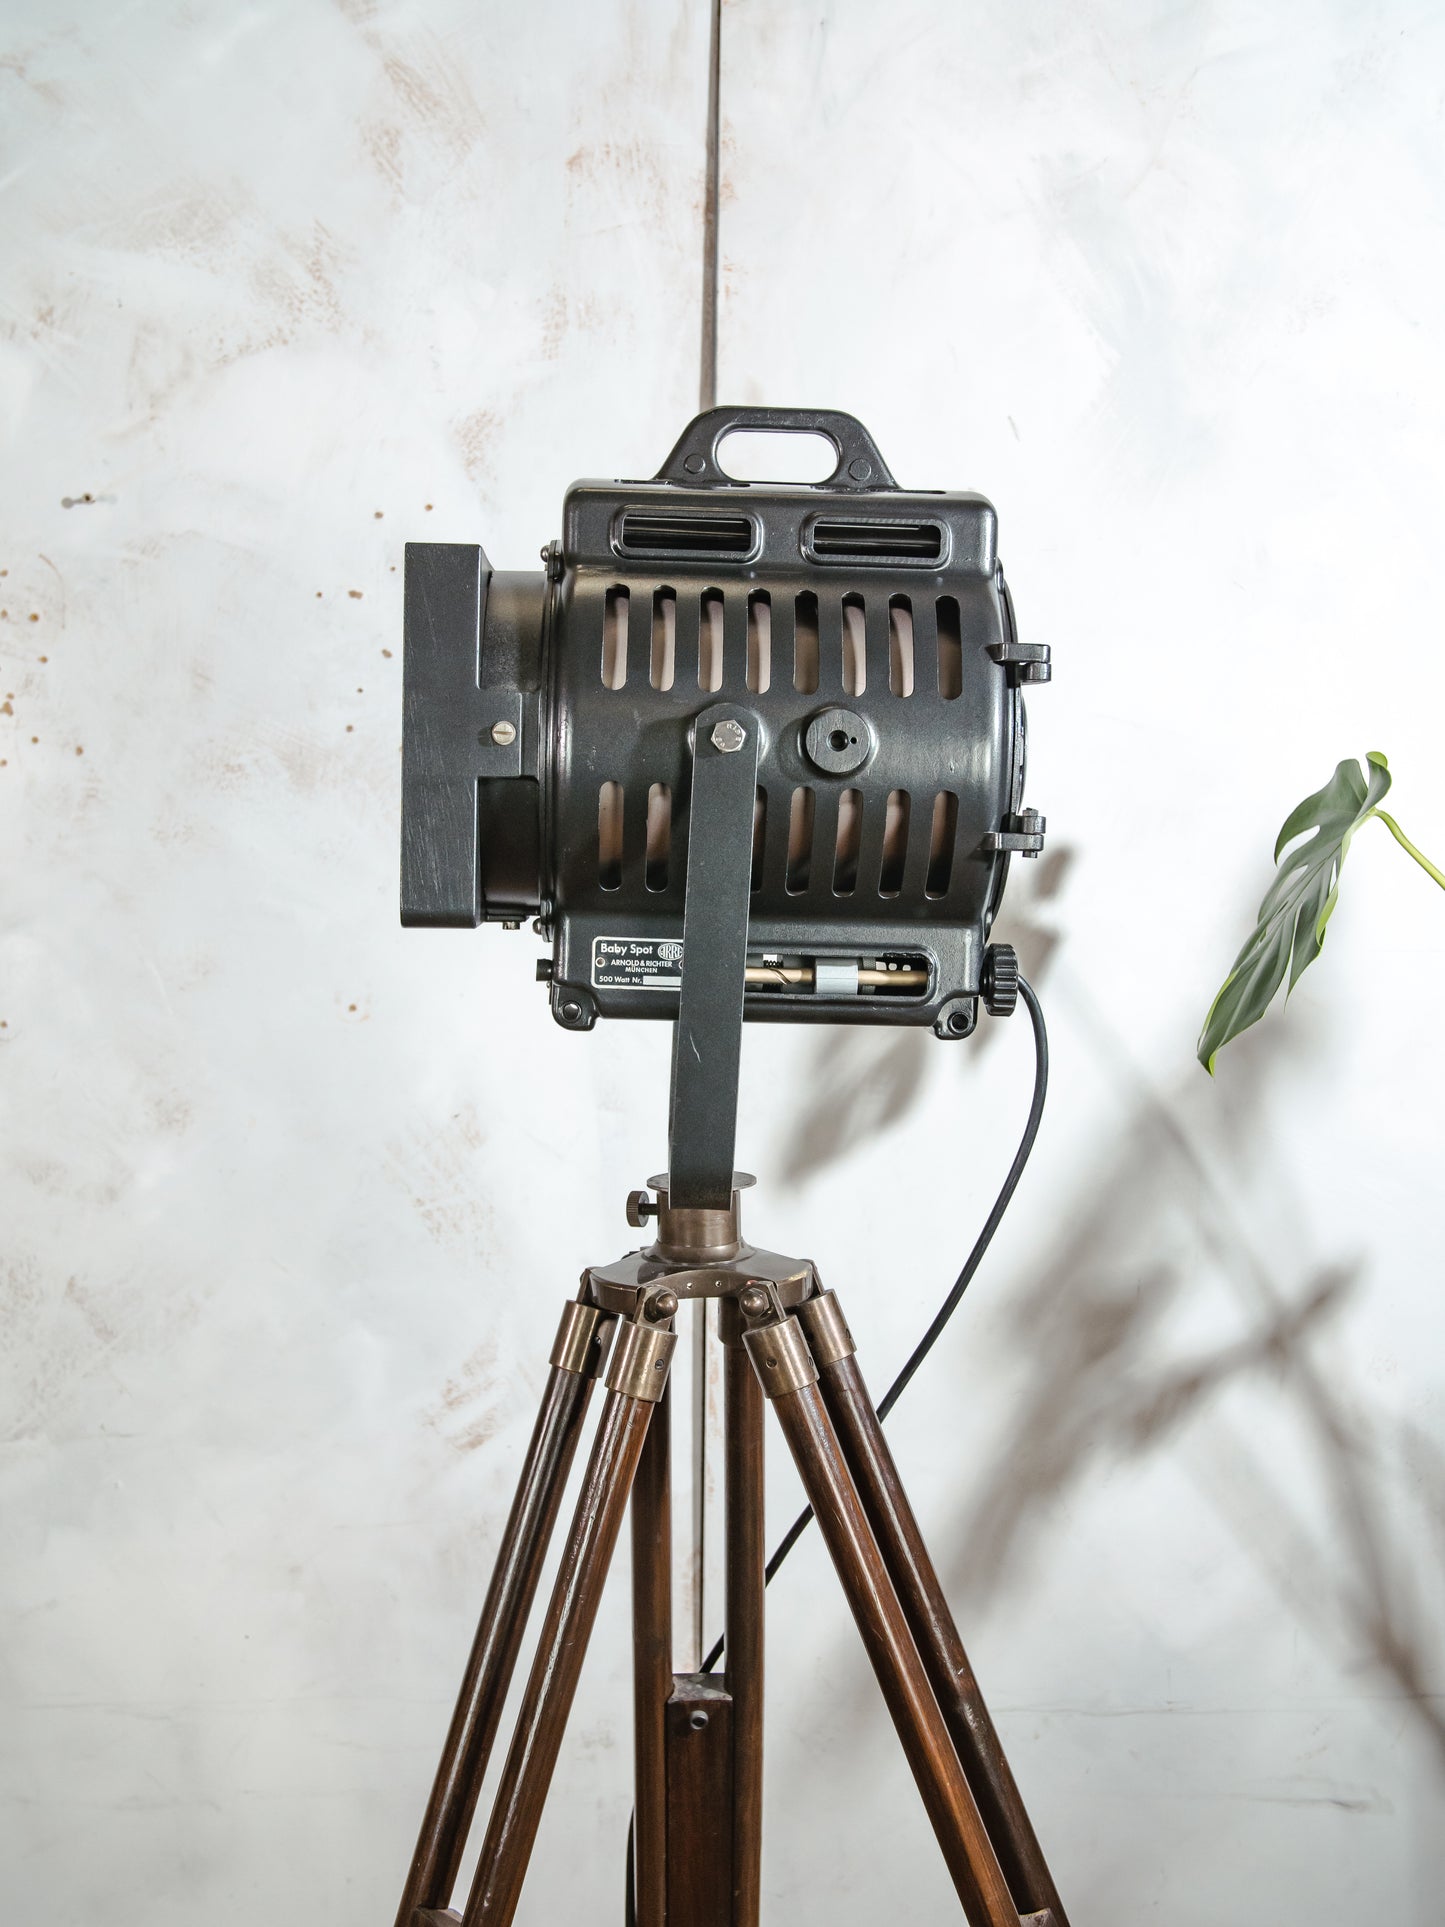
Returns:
point(1000, 980)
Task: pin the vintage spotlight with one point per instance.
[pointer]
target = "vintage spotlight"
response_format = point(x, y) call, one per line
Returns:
point(739, 750)
point(550, 718)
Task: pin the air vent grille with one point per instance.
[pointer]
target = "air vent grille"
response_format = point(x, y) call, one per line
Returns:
point(686, 532)
point(916, 543)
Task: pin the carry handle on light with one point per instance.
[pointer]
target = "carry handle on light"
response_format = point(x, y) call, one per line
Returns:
point(694, 460)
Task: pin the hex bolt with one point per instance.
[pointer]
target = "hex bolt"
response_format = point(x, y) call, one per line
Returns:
point(752, 1301)
point(504, 733)
point(660, 1307)
point(728, 736)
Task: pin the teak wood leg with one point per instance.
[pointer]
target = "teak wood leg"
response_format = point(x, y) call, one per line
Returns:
point(746, 1562)
point(652, 1664)
point(577, 1357)
point(926, 1609)
point(788, 1375)
point(636, 1378)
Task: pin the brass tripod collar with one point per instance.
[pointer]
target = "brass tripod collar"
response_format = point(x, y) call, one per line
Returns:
point(781, 1357)
point(619, 1287)
point(829, 1338)
point(640, 1359)
point(582, 1341)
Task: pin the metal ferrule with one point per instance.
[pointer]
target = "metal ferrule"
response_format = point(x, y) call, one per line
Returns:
point(781, 1358)
point(582, 1341)
point(697, 1236)
point(640, 1359)
point(829, 1338)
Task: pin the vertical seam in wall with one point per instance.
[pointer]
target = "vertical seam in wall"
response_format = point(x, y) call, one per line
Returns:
point(707, 373)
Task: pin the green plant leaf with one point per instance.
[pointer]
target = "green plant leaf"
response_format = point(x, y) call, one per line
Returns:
point(1299, 903)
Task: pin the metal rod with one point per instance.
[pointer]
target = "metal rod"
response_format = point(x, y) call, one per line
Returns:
point(652, 1663)
point(698, 1548)
point(977, 1876)
point(936, 1635)
point(553, 1683)
point(707, 371)
point(746, 1557)
point(493, 1658)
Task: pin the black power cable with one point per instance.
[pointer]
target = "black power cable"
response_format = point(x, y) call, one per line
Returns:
point(930, 1338)
point(960, 1284)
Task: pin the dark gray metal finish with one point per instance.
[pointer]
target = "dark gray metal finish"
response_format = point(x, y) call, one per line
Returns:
point(694, 459)
point(838, 741)
point(797, 603)
point(469, 842)
point(707, 1039)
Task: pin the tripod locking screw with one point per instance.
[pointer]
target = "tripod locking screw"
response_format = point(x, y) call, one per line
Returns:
point(640, 1207)
point(661, 1306)
point(752, 1301)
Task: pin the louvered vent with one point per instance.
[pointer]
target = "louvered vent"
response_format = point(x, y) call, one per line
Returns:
point(685, 532)
point(913, 544)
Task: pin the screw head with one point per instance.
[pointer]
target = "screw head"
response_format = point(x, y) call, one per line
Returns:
point(752, 1301)
point(640, 1207)
point(860, 468)
point(504, 733)
point(728, 736)
point(697, 1721)
point(661, 1306)
point(694, 463)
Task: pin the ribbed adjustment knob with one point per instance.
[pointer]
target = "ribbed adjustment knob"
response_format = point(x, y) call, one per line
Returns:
point(1000, 979)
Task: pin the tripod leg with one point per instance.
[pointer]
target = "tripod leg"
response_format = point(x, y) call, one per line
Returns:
point(652, 1663)
point(746, 1559)
point(926, 1609)
point(790, 1378)
point(577, 1358)
point(636, 1378)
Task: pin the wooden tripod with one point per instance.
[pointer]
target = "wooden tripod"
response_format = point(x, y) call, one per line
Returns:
point(699, 1739)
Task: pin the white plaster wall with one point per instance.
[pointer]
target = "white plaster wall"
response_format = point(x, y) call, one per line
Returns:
point(291, 1196)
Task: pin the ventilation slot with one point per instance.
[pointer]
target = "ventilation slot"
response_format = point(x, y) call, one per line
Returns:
point(694, 533)
point(760, 641)
point(855, 653)
point(664, 638)
point(895, 844)
point(800, 842)
point(609, 836)
point(659, 836)
point(805, 643)
point(915, 543)
point(941, 838)
point(614, 638)
point(760, 833)
point(710, 641)
point(845, 847)
point(900, 646)
point(950, 649)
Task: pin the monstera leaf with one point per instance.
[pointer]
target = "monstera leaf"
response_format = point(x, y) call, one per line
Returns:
point(1299, 903)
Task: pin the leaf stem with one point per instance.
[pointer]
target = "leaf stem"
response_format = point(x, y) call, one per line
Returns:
point(1405, 844)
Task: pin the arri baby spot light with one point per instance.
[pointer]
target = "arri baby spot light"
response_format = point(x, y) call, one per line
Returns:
point(737, 751)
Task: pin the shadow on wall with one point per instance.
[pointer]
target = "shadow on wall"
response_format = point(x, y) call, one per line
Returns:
point(1156, 1231)
point(1091, 1327)
point(862, 1082)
